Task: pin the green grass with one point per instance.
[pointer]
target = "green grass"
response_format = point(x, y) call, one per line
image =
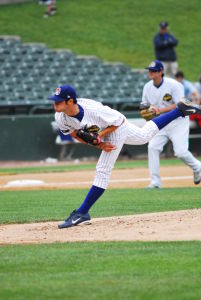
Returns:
point(88, 166)
point(35, 206)
point(124, 270)
point(101, 271)
point(112, 30)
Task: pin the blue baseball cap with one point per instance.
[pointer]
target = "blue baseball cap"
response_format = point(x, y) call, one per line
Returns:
point(63, 93)
point(163, 24)
point(155, 65)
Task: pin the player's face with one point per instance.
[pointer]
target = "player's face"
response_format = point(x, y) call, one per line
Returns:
point(180, 79)
point(60, 106)
point(154, 75)
point(163, 30)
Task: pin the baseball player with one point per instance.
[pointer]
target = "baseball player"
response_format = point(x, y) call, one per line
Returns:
point(51, 7)
point(160, 95)
point(107, 129)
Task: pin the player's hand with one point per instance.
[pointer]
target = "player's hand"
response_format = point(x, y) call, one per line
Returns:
point(107, 146)
point(149, 112)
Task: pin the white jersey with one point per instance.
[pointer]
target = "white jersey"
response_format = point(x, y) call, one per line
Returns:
point(169, 92)
point(94, 113)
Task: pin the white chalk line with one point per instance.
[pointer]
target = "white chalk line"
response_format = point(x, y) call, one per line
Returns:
point(73, 183)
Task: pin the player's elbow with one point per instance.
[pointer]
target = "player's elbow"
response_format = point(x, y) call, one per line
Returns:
point(74, 134)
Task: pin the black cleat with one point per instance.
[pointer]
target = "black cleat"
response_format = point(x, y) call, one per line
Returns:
point(74, 219)
point(188, 107)
point(197, 177)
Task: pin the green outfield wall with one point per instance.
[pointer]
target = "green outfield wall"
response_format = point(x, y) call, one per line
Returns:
point(26, 137)
point(31, 137)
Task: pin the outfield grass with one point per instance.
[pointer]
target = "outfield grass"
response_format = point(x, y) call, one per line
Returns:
point(101, 271)
point(113, 30)
point(35, 206)
point(88, 166)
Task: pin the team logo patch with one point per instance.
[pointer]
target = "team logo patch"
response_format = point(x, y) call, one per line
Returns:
point(167, 97)
point(58, 91)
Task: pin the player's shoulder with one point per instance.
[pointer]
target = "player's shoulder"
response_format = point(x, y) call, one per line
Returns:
point(157, 34)
point(58, 117)
point(149, 84)
point(172, 82)
point(88, 103)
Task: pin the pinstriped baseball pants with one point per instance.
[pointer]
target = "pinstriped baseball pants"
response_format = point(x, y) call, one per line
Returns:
point(128, 134)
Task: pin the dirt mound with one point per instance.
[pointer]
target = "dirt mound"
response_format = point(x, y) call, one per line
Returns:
point(181, 225)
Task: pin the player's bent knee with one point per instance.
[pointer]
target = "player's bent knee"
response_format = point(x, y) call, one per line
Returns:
point(180, 154)
point(153, 148)
point(102, 178)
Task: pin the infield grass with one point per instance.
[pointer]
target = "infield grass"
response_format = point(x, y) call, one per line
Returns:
point(118, 270)
point(45, 205)
point(112, 30)
point(126, 270)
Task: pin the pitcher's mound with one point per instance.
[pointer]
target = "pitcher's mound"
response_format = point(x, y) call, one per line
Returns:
point(181, 225)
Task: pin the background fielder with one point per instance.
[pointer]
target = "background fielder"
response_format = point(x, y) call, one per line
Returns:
point(78, 116)
point(164, 93)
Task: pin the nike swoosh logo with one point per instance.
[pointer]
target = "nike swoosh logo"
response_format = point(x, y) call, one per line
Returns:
point(75, 221)
point(191, 110)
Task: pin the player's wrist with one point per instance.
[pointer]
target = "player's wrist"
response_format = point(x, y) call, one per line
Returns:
point(101, 145)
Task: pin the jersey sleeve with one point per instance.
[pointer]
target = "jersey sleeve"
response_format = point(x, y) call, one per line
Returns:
point(177, 92)
point(144, 96)
point(109, 117)
point(172, 41)
point(63, 126)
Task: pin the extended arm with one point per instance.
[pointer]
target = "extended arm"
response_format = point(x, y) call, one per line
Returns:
point(150, 112)
point(166, 109)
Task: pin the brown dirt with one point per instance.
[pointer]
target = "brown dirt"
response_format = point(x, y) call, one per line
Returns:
point(166, 226)
point(131, 178)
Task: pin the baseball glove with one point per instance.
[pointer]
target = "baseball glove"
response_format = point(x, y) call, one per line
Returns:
point(89, 137)
point(93, 128)
point(149, 112)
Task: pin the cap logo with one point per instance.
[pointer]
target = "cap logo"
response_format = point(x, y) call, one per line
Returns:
point(152, 64)
point(58, 91)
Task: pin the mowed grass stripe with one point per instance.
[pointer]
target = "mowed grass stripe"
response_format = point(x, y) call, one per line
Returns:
point(88, 166)
point(45, 205)
point(101, 271)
